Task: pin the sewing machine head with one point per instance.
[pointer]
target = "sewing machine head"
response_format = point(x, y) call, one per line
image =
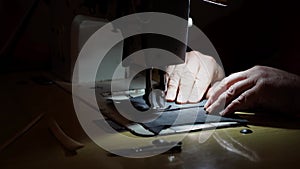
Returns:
point(150, 58)
point(146, 41)
point(155, 49)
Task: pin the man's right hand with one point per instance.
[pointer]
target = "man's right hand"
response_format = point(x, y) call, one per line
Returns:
point(259, 87)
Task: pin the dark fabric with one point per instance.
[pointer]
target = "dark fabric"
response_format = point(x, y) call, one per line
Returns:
point(180, 114)
point(187, 116)
point(140, 104)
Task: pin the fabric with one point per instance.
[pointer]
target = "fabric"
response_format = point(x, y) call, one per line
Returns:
point(140, 104)
point(173, 114)
point(185, 117)
point(180, 114)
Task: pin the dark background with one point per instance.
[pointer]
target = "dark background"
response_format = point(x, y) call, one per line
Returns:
point(246, 33)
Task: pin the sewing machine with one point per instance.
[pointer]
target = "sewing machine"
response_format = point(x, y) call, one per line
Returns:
point(152, 58)
point(132, 95)
point(266, 147)
point(83, 27)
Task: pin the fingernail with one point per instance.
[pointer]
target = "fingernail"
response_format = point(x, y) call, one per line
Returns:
point(223, 112)
point(208, 109)
point(206, 104)
point(181, 100)
point(169, 97)
point(206, 112)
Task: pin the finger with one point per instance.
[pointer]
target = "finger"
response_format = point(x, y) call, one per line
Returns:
point(169, 71)
point(199, 89)
point(188, 78)
point(211, 89)
point(219, 74)
point(185, 86)
point(173, 83)
point(246, 100)
point(201, 85)
point(232, 92)
point(204, 77)
point(223, 86)
point(192, 62)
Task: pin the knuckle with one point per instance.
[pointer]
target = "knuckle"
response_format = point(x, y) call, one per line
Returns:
point(234, 104)
point(172, 86)
point(231, 91)
point(260, 69)
point(220, 74)
point(258, 72)
point(225, 82)
point(257, 67)
point(173, 81)
point(262, 84)
point(225, 96)
point(210, 58)
point(195, 52)
point(193, 55)
point(173, 77)
point(246, 99)
point(242, 98)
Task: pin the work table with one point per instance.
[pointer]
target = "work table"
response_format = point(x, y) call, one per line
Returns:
point(24, 98)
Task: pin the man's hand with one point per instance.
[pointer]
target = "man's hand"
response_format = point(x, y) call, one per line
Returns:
point(259, 87)
point(188, 82)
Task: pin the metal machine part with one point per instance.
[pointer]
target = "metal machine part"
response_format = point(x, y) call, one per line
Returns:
point(148, 41)
point(143, 41)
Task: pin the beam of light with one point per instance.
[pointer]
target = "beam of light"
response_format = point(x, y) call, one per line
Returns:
point(215, 2)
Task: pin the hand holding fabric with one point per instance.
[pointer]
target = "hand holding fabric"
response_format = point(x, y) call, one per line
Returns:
point(188, 82)
point(257, 88)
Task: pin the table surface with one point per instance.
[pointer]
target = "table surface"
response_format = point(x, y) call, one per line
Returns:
point(274, 142)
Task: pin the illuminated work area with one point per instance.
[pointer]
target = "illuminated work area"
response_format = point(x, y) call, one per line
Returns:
point(149, 84)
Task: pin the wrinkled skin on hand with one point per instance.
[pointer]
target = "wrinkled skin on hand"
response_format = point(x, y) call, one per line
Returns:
point(260, 87)
point(188, 82)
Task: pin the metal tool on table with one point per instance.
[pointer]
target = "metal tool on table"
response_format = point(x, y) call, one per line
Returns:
point(158, 145)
